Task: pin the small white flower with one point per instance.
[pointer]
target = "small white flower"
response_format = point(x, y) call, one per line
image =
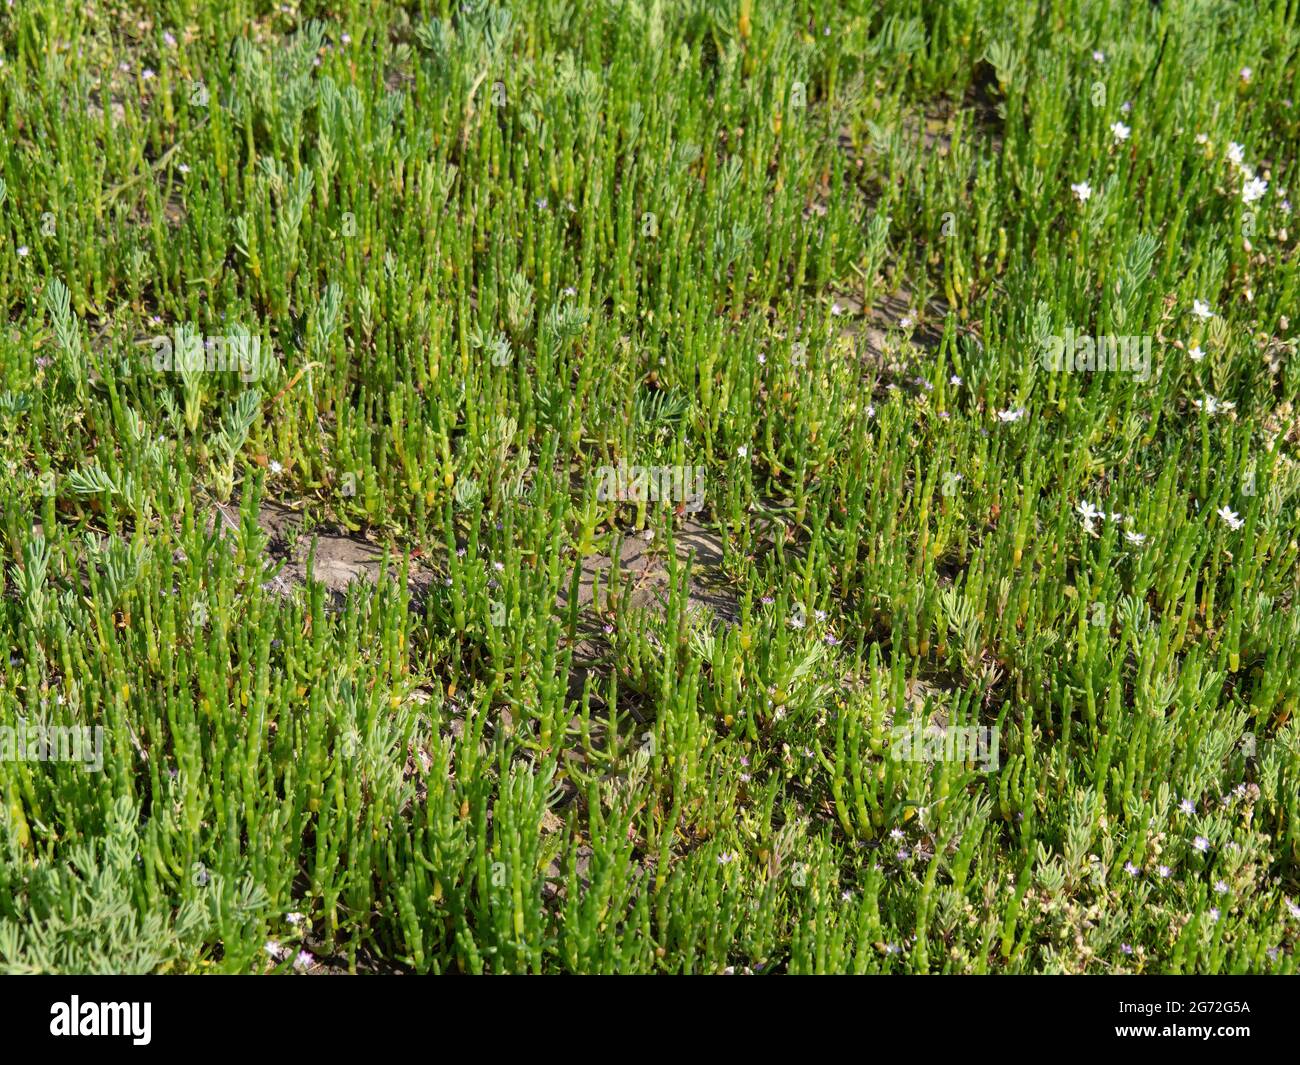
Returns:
point(836, 309)
point(1011, 414)
point(1087, 511)
point(905, 322)
point(1137, 539)
point(1196, 354)
point(294, 919)
point(1119, 131)
point(1246, 74)
point(870, 411)
point(1202, 138)
point(1236, 153)
point(184, 168)
point(1228, 515)
point(1125, 107)
point(1211, 405)
point(742, 451)
point(955, 380)
point(1082, 190)
point(146, 74)
point(1099, 56)
point(1253, 190)
point(276, 467)
point(1201, 309)
point(23, 251)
